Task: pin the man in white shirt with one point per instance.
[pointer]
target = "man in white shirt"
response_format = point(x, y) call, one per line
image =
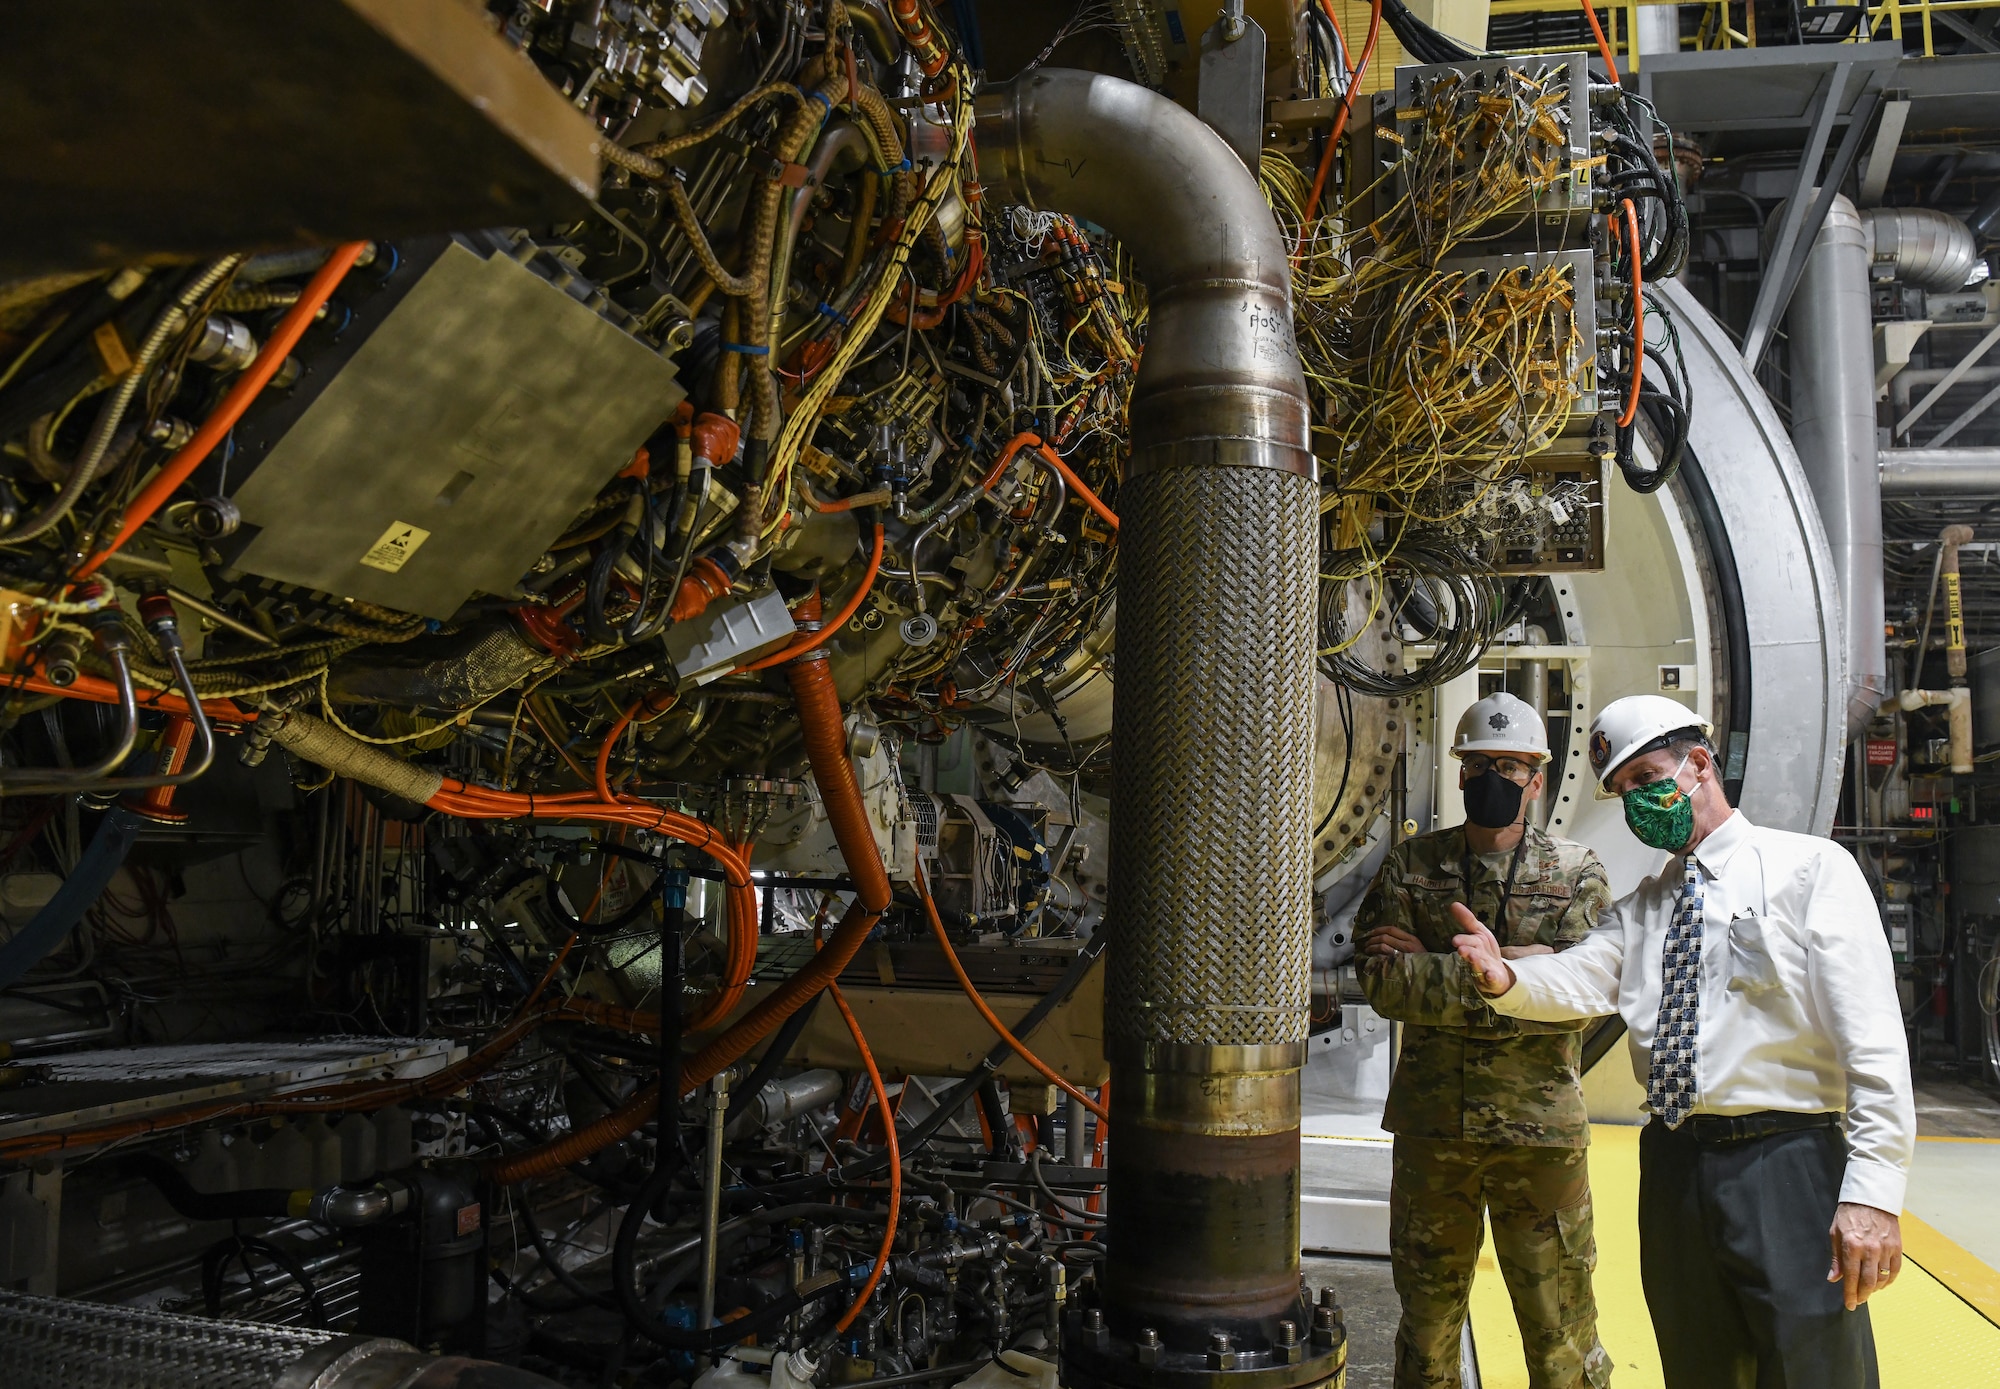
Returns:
point(1755, 982)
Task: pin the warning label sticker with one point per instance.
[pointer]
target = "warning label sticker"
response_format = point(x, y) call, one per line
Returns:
point(393, 550)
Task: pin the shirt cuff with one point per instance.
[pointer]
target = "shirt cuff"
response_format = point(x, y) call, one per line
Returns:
point(1876, 1184)
point(1515, 1001)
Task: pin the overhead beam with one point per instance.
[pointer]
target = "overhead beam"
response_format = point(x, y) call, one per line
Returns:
point(1799, 226)
point(1882, 153)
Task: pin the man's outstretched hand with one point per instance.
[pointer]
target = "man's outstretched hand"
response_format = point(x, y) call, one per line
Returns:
point(1479, 947)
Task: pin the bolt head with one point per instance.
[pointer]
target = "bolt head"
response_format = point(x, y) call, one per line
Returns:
point(1093, 1319)
point(1288, 1333)
point(1328, 1298)
point(1147, 1348)
point(1218, 1340)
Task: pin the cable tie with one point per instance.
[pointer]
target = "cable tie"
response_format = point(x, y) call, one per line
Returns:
point(820, 97)
point(746, 349)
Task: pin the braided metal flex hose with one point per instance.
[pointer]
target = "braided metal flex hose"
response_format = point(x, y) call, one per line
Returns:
point(1206, 1001)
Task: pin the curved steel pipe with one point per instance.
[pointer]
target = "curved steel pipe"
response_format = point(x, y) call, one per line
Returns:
point(1931, 250)
point(1210, 946)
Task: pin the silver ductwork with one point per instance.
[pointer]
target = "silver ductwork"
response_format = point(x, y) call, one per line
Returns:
point(62, 1343)
point(1940, 472)
point(1930, 250)
point(1206, 1004)
point(1831, 333)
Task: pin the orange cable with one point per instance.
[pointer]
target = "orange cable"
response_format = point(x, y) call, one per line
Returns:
point(216, 427)
point(813, 639)
point(548, 974)
point(992, 1019)
point(1346, 109)
point(1638, 317)
point(1603, 48)
point(1028, 439)
point(895, 1161)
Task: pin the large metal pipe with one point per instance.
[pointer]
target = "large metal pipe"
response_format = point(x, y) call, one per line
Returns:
point(1931, 250)
point(1941, 472)
point(1206, 1003)
point(1833, 427)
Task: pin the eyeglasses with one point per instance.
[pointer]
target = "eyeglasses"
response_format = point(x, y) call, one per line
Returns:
point(1512, 768)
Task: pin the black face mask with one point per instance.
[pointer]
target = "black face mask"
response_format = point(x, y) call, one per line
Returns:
point(1491, 801)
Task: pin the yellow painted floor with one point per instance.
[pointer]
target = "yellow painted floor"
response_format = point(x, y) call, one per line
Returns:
point(1926, 1336)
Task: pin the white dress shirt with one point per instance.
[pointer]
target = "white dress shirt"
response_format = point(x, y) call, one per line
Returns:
point(1798, 996)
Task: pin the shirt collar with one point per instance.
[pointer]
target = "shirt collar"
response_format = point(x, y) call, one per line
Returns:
point(1714, 852)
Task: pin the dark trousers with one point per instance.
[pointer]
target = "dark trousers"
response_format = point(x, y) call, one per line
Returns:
point(1734, 1252)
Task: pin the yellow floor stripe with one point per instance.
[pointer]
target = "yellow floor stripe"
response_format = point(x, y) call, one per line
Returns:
point(1970, 1277)
point(1926, 1338)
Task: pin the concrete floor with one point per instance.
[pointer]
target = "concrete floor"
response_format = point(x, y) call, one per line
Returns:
point(1368, 1295)
point(1952, 1109)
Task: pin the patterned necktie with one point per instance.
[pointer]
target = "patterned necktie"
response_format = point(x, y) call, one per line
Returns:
point(1670, 1088)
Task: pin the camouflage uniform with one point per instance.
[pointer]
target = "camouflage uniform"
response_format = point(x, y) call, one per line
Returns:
point(1487, 1111)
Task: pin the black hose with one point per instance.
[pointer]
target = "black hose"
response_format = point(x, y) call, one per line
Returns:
point(216, 1261)
point(773, 1057)
point(593, 928)
point(266, 1203)
point(625, 1277)
point(1422, 42)
point(597, 592)
point(1735, 625)
point(524, 1213)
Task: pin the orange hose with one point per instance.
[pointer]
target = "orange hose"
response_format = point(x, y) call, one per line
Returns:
point(1631, 409)
point(1603, 48)
point(550, 973)
point(100, 691)
point(992, 1019)
point(812, 640)
point(1346, 108)
point(895, 1161)
point(224, 417)
point(479, 803)
point(1028, 439)
point(826, 748)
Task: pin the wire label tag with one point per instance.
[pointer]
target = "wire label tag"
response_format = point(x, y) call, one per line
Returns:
point(393, 550)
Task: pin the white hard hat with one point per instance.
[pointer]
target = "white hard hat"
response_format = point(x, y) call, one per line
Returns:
point(1626, 727)
point(1501, 723)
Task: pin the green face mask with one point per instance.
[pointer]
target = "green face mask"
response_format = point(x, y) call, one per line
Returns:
point(1660, 813)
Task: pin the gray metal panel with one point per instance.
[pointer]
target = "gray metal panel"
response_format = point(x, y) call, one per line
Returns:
point(1758, 88)
point(487, 410)
point(1790, 596)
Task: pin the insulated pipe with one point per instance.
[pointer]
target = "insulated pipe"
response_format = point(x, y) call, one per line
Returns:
point(1940, 472)
point(1833, 427)
point(1206, 1003)
point(1930, 250)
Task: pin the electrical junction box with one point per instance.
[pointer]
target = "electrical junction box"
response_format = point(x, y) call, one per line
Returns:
point(455, 413)
point(1552, 95)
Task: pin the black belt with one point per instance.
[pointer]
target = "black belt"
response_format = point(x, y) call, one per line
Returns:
point(1742, 1128)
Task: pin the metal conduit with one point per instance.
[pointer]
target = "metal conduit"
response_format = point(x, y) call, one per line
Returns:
point(1833, 428)
point(1941, 472)
point(1206, 1006)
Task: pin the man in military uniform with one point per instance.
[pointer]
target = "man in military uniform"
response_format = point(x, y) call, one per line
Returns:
point(1487, 1111)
